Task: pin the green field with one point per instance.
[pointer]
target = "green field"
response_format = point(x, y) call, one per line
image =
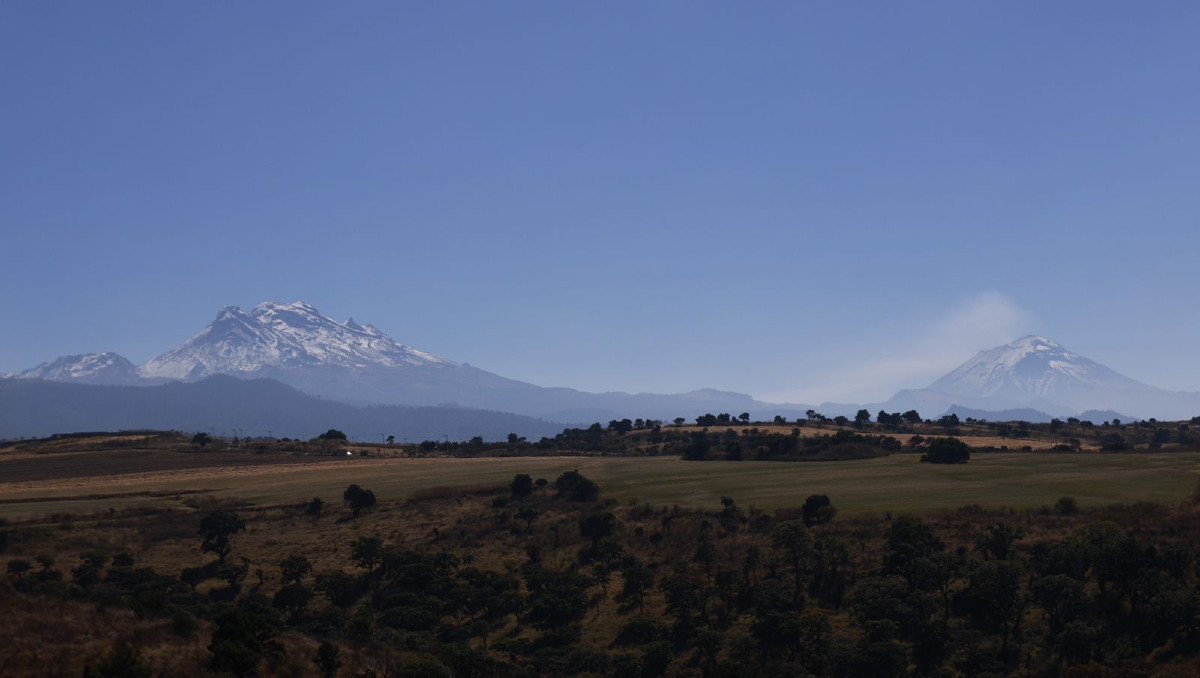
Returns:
point(896, 483)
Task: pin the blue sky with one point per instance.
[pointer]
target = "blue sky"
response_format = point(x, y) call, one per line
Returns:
point(802, 201)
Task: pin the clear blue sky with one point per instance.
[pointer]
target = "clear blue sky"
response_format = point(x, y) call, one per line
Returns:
point(796, 200)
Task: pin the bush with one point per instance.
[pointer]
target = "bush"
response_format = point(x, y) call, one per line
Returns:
point(573, 485)
point(422, 667)
point(817, 510)
point(125, 661)
point(1066, 506)
point(947, 451)
point(358, 499)
point(183, 624)
point(521, 486)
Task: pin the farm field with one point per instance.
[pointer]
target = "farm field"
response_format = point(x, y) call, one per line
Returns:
point(897, 483)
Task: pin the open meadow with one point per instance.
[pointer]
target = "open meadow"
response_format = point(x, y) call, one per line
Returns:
point(896, 483)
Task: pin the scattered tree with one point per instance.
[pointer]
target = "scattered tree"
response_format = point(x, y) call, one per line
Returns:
point(947, 451)
point(216, 531)
point(293, 569)
point(313, 509)
point(521, 486)
point(358, 499)
point(573, 485)
point(817, 510)
point(327, 660)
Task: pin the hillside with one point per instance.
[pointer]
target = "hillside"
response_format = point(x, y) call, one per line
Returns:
point(223, 404)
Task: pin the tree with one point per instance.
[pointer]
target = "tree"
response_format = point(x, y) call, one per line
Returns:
point(817, 510)
point(795, 546)
point(422, 667)
point(597, 526)
point(18, 567)
point(1066, 506)
point(241, 634)
point(573, 485)
point(947, 451)
point(996, 540)
point(391, 439)
point(638, 580)
point(293, 599)
point(294, 568)
point(367, 552)
point(949, 421)
point(332, 434)
point(620, 427)
point(521, 486)
point(862, 417)
point(699, 447)
point(358, 499)
point(202, 439)
point(125, 661)
point(909, 539)
point(314, 507)
point(745, 417)
point(327, 660)
point(678, 421)
point(216, 531)
point(556, 599)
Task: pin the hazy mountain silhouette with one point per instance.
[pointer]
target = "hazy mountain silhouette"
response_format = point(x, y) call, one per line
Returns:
point(220, 404)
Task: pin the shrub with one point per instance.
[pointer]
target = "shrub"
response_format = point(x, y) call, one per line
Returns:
point(817, 510)
point(947, 451)
point(422, 667)
point(358, 499)
point(521, 486)
point(573, 485)
point(183, 624)
point(1066, 506)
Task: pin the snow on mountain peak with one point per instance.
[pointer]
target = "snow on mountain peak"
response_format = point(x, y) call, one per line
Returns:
point(280, 336)
point(101, 368)
point(1031, 367)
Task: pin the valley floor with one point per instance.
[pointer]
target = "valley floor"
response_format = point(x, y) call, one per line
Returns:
point(894, 483)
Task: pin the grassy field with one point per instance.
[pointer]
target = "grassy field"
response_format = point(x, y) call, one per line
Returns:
point(897, 483)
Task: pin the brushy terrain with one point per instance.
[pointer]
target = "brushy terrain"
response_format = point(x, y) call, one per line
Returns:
point(44, 479)
point(632, 551)
point(551, 579)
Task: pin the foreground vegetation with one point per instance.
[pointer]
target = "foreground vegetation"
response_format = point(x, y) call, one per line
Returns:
point(633, 550)
point(546, 577)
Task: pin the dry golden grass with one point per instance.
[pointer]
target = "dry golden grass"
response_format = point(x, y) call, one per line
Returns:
point(462, 523)
point(894, 483)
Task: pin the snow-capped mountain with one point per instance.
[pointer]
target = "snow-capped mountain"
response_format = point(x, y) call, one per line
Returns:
point(276, 336)
point(1033, 368)
point(1040, 373)
point(89, 368)
point(297, 345)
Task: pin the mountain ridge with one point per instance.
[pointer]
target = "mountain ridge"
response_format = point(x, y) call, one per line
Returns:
point(359, 364)
point(36, 408)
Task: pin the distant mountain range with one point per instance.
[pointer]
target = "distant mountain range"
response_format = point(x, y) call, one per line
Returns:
point(359, 364)
point(1032, 378)
point(222, 404)
point(1038, 373)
